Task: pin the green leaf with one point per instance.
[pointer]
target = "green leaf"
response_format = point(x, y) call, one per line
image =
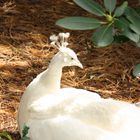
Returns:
point(134, 18)
point(131, 35)
point(136, 71)
point(25, 138)
point(123, 25)
point(138, 10)
point(5, 135)
point(132, 15)
point(91, 6)
point(135, 28)
point(121, 9)
point(120, 39)
point(79, 23)
point(25, 133)
point(138, 43)
point(110, 5)
point(25, 130)
point(103, 36)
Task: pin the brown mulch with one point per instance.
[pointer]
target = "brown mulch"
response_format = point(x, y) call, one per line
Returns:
point(25, 52)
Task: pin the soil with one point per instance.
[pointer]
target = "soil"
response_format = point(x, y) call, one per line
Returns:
point(25, 27)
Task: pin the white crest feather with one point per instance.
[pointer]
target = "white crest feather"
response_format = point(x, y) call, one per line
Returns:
point(60, 41)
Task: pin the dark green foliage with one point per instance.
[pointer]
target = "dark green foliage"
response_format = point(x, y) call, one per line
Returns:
point(123, 25)
point(120, 39)
point(121, 9)
point(119, 24)
point(103, 36)
point(25, 132)
point(134, 19)
point(136, 71)
point(5, 135)
point(110, 5)
point(91, 6)
point(118, 21)
point(138, 9)
point(79, 23)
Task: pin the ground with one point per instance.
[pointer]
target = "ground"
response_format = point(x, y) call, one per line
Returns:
point(25, 27)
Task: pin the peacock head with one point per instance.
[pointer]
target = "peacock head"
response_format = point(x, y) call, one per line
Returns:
point(66, 55)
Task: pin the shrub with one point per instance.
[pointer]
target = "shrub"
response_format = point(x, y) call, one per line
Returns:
point(119, 23)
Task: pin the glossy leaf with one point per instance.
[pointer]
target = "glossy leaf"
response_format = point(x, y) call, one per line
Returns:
point(79, 23)
point(123, 25)
point(135, 28)
point(91, 6)
point(134, 18)
point(131, 14)
point(121, 9)
point(103, 36)
point(110, 5)
point(136, 71)
point(131, 35)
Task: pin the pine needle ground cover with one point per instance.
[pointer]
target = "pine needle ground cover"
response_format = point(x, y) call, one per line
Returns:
point(25, 52)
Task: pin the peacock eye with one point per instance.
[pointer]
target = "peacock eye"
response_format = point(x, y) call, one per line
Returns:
point(72, 58)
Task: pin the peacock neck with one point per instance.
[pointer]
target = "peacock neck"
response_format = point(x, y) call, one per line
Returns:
point(51, 78)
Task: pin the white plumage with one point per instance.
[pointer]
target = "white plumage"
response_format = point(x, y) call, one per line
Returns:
point(53, 113)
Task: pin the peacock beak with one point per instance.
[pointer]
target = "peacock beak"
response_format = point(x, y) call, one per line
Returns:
point(79, 64)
